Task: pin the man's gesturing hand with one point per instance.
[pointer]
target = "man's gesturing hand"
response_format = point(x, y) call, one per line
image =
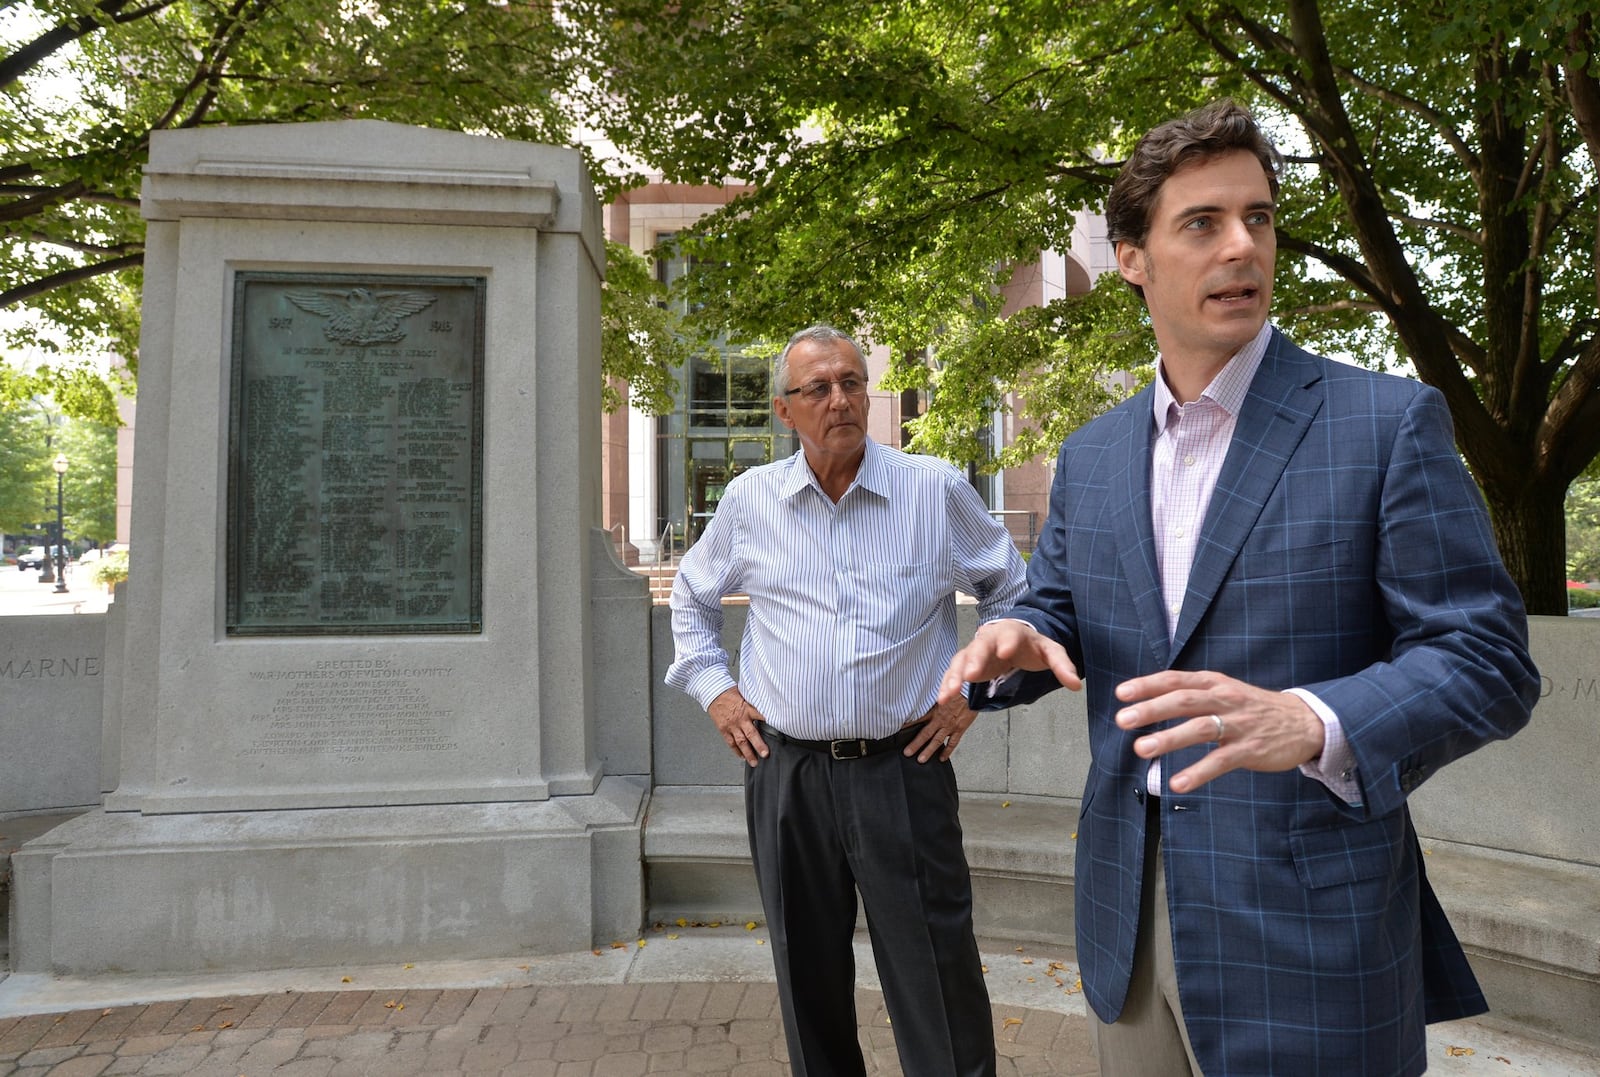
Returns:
point(1252, 727)
point(736, 721)
point(1002, 646)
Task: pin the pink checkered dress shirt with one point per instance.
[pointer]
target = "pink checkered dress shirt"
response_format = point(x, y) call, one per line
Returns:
point(1191, 441)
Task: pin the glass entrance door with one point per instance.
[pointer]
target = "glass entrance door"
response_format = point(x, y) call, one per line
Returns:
point(713, 462)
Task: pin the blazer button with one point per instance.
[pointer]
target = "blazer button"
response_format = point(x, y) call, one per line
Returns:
point(1138, 794)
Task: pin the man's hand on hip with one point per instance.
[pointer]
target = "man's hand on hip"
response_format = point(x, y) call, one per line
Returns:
point(1001, 646)
point(736, 720)
point(943, 729)
point(1252, 728)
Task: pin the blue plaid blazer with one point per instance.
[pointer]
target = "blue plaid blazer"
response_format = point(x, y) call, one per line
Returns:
point(1345, 551)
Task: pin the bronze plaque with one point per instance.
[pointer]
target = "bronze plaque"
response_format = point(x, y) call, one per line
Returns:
point(355, 455)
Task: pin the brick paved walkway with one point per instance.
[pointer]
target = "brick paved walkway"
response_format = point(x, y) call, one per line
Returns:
point(691, 1002)
point(612, 1030)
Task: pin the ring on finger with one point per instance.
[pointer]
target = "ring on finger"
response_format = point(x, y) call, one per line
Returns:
point(1222, 730)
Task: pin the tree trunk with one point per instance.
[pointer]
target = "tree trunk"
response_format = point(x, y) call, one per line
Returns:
point(1530, 527)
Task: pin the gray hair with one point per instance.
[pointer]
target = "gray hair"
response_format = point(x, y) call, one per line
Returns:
point(819, 334)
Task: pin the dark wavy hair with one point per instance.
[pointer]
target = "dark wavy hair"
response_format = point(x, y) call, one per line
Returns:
point(1218, 128)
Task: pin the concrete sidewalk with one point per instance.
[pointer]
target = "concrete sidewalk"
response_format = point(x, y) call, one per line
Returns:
point(680, 1000)
point(21, 593)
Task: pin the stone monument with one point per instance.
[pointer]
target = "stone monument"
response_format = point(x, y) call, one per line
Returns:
point(357, 715)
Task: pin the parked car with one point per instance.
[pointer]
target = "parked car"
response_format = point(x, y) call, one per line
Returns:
point(34, 557)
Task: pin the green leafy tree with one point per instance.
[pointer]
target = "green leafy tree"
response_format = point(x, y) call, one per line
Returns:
point(642, 340)
point(1583, 526)
point(30, 440)
point(71, 239)
point(1439, 208)
point(89, 488)
point(24, 469)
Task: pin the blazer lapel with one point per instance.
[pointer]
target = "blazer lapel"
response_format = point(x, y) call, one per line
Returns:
point(1274, 419)
point(1131, 523)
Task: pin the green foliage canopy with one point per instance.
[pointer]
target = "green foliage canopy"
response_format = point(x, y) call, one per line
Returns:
point(1583, 530)
point(1439, 209)
point(83, 83)
point(24, 470)
point(30, 439)
point(89, 488)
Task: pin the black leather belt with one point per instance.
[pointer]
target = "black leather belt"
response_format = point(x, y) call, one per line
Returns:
point(853, 748)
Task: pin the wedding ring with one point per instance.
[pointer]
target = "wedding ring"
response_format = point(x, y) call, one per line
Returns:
point(1221, 729)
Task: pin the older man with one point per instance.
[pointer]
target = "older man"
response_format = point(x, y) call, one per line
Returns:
point(851, 553)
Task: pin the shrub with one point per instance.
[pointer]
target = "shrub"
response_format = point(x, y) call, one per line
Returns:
point(1580, 599)
point(111, 569)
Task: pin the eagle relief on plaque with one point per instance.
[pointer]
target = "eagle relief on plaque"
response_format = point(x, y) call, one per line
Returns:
point(355, 470)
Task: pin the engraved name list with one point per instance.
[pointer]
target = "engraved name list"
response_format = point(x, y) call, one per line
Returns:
point(355, 455)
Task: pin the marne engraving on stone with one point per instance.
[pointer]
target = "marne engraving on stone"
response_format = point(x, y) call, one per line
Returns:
point(362, 316)
point(356, 455)
point(23, 669)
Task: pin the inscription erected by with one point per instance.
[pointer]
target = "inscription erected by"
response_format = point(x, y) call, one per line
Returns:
point(353, 710)
point(355, 455)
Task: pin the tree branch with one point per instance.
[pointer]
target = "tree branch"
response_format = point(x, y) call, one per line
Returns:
point(36, 51)
point(1432, 117)
point(70, 276)
point(98, 249)
point(1285, 98)
point(1365, 306)
point(1527, 372)
point(1427, 225)
point(1583, 92)
point(1572, 422)
point(208, 73)
point(1345, 266)
point(1467, 350)
point(22, 208)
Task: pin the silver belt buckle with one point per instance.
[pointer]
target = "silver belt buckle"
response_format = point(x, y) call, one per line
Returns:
point(840, 749)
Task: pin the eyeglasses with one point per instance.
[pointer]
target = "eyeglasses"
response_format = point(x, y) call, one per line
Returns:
point(818, 391)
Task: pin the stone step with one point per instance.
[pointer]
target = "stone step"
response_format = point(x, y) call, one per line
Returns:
point(15, 832)
point(1530, 925)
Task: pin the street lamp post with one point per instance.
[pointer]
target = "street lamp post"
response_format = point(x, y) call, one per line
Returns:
point(61, 545)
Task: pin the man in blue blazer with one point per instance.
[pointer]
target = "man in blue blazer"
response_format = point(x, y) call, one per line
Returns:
point(1278, 585)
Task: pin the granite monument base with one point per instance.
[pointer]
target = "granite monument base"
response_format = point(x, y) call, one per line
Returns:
point(120, 892)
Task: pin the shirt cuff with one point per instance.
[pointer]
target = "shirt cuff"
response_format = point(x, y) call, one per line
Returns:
point(1336, 766)
point(708, 684)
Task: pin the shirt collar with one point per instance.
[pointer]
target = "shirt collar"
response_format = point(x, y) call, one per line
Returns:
point(872, 475)
point(1228, 389)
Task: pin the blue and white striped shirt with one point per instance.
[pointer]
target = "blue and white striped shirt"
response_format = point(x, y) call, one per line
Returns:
point(852, 605)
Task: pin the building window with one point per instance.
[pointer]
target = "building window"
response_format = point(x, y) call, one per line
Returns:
point(721, 424)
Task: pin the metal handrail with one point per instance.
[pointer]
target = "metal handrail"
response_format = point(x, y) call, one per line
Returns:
point(1033, 521)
